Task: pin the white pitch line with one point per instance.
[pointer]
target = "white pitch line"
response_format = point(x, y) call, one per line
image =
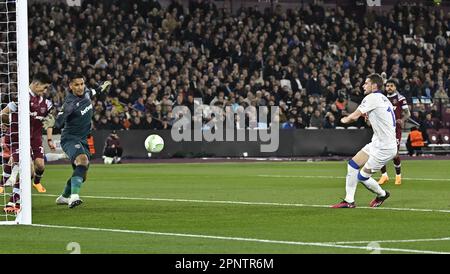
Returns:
point(394, 241)
point(249, 203)
point(342, 177)
point(240, 239)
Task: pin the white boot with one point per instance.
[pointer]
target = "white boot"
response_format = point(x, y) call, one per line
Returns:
point(74, 201)
point(62, 200)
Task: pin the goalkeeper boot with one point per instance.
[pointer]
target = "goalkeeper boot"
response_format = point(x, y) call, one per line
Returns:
point(398, 179)
point(74, 201)
point(344, 204)
point(384, 179)
point(11, 208)
point(62, 200)
point(378, 201)
point(39, 187)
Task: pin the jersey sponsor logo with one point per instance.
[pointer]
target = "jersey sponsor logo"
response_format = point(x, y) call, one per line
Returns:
point(86, 109)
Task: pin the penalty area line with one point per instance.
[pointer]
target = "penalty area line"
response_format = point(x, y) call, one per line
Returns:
point(342, 177)
point(249, 203)
point(254, 240)
point(393, 241)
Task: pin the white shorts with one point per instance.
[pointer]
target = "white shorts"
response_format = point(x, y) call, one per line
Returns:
point(378, 157)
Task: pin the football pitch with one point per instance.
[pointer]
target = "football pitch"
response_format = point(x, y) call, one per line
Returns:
point(241, 207)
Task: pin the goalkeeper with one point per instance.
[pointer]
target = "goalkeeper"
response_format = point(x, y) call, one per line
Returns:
point(75, 119)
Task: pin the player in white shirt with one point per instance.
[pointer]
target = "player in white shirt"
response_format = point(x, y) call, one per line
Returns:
point(383, 147)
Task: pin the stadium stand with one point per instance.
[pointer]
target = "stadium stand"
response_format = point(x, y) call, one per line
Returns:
point(306, 59)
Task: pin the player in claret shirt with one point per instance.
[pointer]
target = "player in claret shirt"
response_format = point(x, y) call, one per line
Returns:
point(402, 114)
point(39, 110)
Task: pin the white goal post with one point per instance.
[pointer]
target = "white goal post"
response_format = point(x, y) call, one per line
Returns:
point(14, 57)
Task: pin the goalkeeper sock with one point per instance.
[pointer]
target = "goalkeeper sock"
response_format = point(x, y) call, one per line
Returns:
point(75, 183)
point(77, 178)
point(68, 189)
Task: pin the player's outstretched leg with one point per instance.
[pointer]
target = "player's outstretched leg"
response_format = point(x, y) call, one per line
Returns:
point(63, 199)
point(384, 176)
point(75, 182)
point(398, 170)
point(78, 177)
point(365, 178)
point(351, 182)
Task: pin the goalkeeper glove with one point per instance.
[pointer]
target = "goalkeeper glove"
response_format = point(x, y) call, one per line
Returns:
point(48, 121)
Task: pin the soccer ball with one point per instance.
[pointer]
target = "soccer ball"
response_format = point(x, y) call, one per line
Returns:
point(154, 143)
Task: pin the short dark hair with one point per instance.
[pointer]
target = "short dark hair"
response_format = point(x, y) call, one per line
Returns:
point(42, 78)
point(392, 81)
point(376, 78)
point(75, 75)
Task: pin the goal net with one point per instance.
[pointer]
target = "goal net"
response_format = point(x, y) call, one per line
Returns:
point(15, 185)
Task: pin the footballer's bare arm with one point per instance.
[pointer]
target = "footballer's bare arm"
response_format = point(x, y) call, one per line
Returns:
point(352, 117)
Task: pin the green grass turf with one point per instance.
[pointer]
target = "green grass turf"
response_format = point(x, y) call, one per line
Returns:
point(234, 182)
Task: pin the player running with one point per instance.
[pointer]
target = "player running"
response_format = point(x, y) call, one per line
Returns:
point(402, 114)
point(39, 110)
point(75, 120)
point(379, 151)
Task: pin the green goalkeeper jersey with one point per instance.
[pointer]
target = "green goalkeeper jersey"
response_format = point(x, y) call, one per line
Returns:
point(75, 117)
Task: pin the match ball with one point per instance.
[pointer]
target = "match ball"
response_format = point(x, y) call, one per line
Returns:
point(154, 143)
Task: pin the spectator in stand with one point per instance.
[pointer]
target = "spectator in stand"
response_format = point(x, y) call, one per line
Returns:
point(290, 124)
point(431, 123)
point(440, 97)
point(330, 121)
point(317, 119)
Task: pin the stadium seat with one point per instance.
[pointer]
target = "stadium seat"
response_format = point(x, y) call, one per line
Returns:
point(446, 119)
point(433, 136)
point(437, 123)
point(445, 135)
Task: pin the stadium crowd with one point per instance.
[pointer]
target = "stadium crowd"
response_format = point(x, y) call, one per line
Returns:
point(311, 62)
